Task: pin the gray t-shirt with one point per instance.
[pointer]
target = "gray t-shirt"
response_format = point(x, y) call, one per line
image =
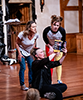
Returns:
point(26, 44)
point(52, 37)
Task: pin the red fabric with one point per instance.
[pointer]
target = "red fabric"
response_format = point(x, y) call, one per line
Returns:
point(47, 50)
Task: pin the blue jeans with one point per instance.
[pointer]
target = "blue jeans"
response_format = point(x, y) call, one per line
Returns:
point(23, 67)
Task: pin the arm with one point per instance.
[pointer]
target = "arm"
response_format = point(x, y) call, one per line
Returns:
point(46, 30)
point(52, 56)
point(34, 44)
point(38, 64)
point(50, 49)
point(53, 64)
point(18, 41)
point(63, 32)
point(37, 36)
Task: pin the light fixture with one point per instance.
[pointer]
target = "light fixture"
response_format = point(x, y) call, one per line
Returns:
point(42, 4)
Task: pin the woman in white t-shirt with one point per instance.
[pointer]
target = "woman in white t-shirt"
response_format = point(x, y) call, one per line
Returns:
point(25, 41)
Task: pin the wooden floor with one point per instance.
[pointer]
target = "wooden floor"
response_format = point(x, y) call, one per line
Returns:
point(72, 75)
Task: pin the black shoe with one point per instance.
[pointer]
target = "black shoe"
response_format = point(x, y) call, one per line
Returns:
point(50, 95)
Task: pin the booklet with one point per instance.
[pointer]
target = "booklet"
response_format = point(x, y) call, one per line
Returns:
point(57, 45)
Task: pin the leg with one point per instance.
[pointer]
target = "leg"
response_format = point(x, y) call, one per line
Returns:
point(62, 87)
point(59, 72)
point(59, 68)
point(56, 88)
point(29, 61)
point(21, 72)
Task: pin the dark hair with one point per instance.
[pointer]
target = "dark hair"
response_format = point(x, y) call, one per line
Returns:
point(27, 28)
point(33, 52)
point(55, 18)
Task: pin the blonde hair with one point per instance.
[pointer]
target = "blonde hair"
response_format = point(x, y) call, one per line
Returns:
point(27, 28)
point(32, 94)
point(55, 19)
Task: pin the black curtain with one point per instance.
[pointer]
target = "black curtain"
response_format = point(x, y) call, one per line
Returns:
point(33, 10)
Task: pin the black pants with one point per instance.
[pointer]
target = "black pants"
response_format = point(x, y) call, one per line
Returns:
point(56, 88)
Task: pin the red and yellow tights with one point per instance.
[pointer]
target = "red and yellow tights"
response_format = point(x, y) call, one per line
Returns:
point(59, 68)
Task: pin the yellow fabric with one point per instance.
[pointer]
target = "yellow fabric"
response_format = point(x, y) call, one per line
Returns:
point(59, 68)
point(58, 57)
point(59, 72)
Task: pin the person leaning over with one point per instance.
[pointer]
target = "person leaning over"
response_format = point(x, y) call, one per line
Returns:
point(52, 33)
point(25, 41)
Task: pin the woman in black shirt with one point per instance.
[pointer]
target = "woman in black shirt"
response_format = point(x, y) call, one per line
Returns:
point(41, 78)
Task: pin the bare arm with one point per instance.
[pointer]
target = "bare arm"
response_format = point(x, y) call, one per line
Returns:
point(50, 49)
point(51, 52)
point(52, 56)
point(18, 41)
point(34, 43)
point(53, 64)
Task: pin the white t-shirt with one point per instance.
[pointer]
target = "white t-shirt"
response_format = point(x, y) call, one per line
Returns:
point(26, 44)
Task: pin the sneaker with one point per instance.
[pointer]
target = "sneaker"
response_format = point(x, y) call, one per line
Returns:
point(59, 81)
point(50, 95)
point(24, 88)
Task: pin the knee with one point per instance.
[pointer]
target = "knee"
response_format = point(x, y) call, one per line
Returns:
point(22, 68)
point(30, 66)
point(65, 86)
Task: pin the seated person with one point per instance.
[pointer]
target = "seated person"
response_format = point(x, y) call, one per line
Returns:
point(32, 94)
point(42, 75)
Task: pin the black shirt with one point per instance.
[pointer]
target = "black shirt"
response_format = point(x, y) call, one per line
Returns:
point(41, 72)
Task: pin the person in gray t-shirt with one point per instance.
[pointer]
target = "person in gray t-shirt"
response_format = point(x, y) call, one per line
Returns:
point(52, 33)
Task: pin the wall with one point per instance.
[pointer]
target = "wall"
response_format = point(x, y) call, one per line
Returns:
point(71, 18)
point(43, 18)
point(82, 17)
point(82, 21)
point(71, 21)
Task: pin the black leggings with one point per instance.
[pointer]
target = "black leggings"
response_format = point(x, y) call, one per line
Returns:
point(56, 88)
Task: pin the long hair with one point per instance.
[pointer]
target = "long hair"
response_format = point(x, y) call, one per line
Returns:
point(32, 94)
point(27, 28)
point(55, 19)
point(33, 52)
